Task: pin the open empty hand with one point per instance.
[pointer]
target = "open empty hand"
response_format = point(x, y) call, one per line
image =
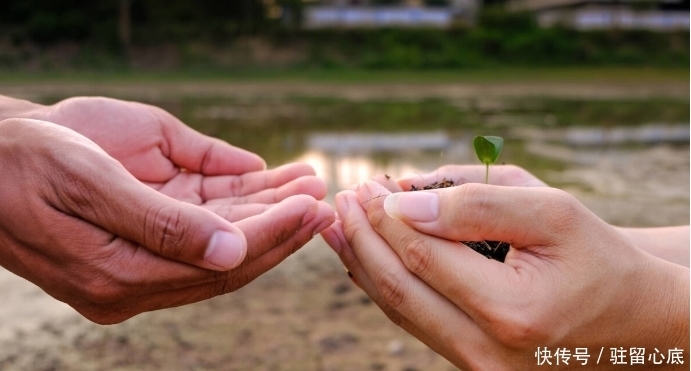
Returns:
point(85, 227)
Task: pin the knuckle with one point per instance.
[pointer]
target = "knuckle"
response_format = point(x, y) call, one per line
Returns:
point(207, 156)
point(417, 255)
point(167, 231)
point(514, 172)
point(520, 329)
point(230, 283)
point(288, 238)
point(236, 186)
point(104, 314)
point(390, 287)
point(78, 193)
point(350, 229)
point(475, 212)
point(103, 291)
point(559, 209)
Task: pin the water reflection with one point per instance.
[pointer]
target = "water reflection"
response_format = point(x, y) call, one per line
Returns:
point(342, 171)
point(644, 182)
point(626, 160)
point(377, 142)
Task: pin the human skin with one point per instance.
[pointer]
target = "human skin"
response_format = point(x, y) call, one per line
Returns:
point(668, 243)
point(569, 281)
point(123, 209)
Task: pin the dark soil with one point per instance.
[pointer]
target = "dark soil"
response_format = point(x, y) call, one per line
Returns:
point(496, 250)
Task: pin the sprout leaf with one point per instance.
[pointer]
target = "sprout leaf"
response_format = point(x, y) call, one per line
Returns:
point(487, 148)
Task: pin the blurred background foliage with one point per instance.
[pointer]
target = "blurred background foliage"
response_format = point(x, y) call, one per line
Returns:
point(217, 34)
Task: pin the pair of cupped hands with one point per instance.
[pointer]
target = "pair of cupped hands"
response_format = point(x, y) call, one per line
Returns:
point(120, 209)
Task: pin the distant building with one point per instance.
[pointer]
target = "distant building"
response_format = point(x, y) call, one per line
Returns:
point(359, 14)
point(664, 15)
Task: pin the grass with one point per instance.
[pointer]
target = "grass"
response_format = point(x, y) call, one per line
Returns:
point(476, 76)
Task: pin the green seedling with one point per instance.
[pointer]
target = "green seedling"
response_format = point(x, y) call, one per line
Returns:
point(487, 149)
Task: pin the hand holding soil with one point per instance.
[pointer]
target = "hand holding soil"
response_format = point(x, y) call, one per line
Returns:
point(570, 279)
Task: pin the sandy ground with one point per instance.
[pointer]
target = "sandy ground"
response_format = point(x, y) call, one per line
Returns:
point(306, 314)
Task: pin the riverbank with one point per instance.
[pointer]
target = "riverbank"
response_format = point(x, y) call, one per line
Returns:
point(361, 85)
point(306, 314)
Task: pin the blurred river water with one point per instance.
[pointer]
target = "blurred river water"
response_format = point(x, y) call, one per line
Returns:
point(625, 159)
point(630, 170)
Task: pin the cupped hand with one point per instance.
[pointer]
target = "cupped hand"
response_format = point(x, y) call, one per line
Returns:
point(161, 151)
point(76, 223)
point(570, 280)
point(670, 243)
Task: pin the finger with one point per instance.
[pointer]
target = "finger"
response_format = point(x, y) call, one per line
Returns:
point(335, 237)
point(102, 192)
point(284, 228)
point(306, 185)
point(186, 187)
point(108, 310)
point(474, 212)
point(271, 237)
point(234, 213)
point(505, 175)
point(457, 272)
point(397, 288)
point(199, 153)
point(270, 185)
point(253, 182)
point(388, 182)
point(282, 221)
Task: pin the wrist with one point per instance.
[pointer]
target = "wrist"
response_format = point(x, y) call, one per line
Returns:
point(662, 320)
point(667, 243)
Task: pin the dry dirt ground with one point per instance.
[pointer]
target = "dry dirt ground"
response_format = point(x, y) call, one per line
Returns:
point(306, 314)
point(353, 91)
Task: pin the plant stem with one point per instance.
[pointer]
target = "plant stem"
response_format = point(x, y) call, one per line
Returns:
point(486, 173)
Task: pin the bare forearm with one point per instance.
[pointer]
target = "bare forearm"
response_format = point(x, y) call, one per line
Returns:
point(664, 309)
point(20, 108)
point(668, 243)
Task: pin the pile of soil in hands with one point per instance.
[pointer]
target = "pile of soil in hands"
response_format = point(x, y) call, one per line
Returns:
point(496, 250)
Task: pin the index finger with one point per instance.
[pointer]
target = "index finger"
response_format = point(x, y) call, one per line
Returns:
point(191, 150)
point(465, 277)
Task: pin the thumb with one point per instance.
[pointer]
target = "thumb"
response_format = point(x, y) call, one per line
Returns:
point(166, 226)
point(472, 212)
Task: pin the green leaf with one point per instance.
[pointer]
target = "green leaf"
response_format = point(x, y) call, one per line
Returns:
point(487, 148)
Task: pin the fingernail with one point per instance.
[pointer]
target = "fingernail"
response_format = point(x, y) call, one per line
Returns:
point(416, 206)
point(225, 250)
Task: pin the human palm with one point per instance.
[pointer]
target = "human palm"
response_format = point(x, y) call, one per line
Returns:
point(162, 152)
point(113, 225)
